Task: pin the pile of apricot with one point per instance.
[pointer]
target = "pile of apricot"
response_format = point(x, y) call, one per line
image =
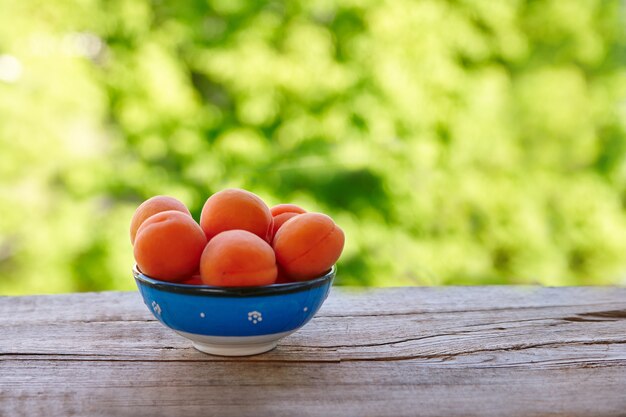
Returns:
point(239, 241)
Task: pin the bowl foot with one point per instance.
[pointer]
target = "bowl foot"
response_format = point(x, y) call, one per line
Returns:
point(235, 349)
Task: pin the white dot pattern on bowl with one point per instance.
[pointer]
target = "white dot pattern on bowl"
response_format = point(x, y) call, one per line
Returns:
point(156, 307)
point(255, 317)
point(202, 315)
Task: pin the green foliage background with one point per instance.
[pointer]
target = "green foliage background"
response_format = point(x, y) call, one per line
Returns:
point(456, 142)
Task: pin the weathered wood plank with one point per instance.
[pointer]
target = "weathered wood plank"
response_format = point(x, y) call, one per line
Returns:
point(357, 388)
point(436, 335)
point(116, 306)
point(450, 351)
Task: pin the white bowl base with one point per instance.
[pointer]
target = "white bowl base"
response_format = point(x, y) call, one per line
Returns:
point(234, 350)
point(234, 345)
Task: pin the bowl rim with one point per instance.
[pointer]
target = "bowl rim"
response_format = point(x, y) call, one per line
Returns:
point(273, 289)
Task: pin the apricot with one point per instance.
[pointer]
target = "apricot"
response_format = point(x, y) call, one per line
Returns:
point(151, 207)
point(168, 246)
point(233, 209)
point(238, 258)
point(286, 208)
point(308, 245)
point(195, 279)
point(282, 213)
point(282, 277)
point(280, 219)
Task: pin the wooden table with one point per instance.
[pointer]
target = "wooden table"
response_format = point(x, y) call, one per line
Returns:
point(485, 351)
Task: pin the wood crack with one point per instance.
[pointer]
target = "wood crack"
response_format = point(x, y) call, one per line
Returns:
point(477, 310)
point(448, 356)
point(341, 357)
point(596, 316)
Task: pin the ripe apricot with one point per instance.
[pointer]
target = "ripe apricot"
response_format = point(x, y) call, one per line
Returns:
point(280, 219)
point(195, 279)
point(308, 245)
point(286, 208)
point(151, 207)
point(282, 277)
point(282, 213)
point(238, 258)
point(168, 246)
point(233, 209)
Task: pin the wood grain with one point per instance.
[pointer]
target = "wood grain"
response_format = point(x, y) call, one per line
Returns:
point(485, 351)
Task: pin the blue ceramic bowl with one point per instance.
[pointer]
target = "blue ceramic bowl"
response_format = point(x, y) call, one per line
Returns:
point(234, 321)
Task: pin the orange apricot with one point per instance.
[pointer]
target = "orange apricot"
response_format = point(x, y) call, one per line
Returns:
point(282, 277)
point(195, 279)
point(282, 213)
point(286, 208)
point(151, 207)
point(168, 246)
point(308, 245)
point(280, 219)
point(238, 258)
point(233, 209)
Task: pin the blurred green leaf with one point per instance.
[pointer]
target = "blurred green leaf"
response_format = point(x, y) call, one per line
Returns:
point(456, 142)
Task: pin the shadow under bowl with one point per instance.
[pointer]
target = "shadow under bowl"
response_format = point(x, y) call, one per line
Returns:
point(234, 321)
